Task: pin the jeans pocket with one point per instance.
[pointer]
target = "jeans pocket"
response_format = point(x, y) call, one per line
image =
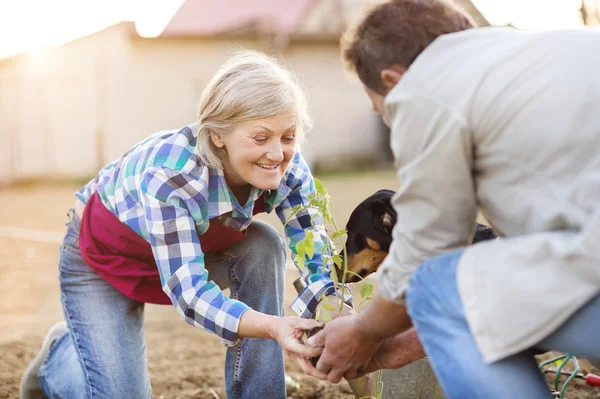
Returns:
point(71, 260)
point(71, 240)
point(71, 244)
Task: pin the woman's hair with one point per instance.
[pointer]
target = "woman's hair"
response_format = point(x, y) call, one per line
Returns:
point(396, 32)
point(249, 86)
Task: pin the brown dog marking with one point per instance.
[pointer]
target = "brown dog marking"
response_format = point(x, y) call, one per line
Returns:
point(372, 244)
point(365, 262)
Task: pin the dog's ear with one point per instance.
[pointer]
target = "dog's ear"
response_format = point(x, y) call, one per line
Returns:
point(388, 219)
point(388, 222)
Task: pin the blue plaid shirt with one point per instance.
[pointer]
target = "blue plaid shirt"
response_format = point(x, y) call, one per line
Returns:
point(164, 192)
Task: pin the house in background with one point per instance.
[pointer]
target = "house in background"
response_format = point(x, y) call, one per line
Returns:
point(68, 112)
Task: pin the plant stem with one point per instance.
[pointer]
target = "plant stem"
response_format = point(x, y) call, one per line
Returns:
point(345, 263)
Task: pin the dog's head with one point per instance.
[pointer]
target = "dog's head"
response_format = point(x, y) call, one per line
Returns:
point(369, 235)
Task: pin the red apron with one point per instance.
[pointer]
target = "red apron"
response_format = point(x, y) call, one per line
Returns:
point(124, 259)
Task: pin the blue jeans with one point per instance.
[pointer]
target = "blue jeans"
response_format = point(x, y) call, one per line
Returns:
point(104, 354)
point(437, 313)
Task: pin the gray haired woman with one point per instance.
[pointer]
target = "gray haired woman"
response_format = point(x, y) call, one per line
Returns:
point(170, 222)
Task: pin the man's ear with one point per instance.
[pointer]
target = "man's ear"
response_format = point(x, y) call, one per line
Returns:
point(391, 76)
point(217, 140)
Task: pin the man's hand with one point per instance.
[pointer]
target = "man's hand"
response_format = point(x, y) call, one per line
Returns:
point(396, 352)
point(350, 343)
point(347, 348)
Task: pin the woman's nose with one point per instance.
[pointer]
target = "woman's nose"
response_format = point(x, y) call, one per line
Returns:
point(275, 153)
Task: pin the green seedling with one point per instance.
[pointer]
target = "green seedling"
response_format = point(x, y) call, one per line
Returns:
point(320, 203)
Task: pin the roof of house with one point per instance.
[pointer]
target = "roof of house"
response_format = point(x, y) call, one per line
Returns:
point(214, 17)
point(327, 18)
point(281, 17)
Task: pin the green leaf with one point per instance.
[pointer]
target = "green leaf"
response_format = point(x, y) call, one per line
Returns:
point(320, 187)
point(337, 260)
point(337, 234)
point(326, 303)
point(365, 290)
point(295, 211)
point(301, 249)
point(300, 262)
point(309, 244)
point(326, 317)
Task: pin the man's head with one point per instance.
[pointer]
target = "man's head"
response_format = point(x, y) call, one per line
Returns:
point(391, 36)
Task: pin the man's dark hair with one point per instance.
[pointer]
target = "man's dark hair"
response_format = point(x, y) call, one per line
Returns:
point(396, 32)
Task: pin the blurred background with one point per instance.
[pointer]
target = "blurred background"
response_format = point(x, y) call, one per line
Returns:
point(83, 80)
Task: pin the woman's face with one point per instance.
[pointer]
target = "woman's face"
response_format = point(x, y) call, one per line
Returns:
point(258, 152)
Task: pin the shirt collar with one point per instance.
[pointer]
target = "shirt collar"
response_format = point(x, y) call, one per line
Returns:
point(222, 199)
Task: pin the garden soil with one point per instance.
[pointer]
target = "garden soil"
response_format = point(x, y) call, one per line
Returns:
point(184, 362)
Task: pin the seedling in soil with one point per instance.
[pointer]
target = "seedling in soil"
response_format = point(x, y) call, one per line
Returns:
point(320, 204)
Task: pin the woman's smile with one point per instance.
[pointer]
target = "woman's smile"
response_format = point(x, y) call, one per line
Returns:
point(267, 166)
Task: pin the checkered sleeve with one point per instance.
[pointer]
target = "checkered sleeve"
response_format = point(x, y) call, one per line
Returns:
point(315, 272)
point(174, 204)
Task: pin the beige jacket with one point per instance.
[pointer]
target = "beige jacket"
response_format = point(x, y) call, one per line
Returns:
point(507, 122)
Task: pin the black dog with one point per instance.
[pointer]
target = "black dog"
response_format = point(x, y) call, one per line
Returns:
point(370, 235)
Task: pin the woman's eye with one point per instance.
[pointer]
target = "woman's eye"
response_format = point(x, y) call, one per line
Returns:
point(261, 139)
point(289, 138)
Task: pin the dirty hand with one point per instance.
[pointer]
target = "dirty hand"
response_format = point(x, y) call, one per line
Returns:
point(347, 348)
point(305, 364)
point(288, 332)
point(395, 352)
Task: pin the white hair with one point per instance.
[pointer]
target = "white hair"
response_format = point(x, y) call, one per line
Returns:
point(249, 86)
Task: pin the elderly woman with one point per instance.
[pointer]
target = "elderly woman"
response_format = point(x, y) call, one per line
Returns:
point(171, 222)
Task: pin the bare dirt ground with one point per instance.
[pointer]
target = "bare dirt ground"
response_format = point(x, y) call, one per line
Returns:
point(184, 362)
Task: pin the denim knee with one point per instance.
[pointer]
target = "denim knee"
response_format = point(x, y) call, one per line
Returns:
point(266, 242)
point(416, 298)
point(433, 289)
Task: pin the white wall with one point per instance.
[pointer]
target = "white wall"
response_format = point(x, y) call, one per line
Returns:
point(345, 126)
point(53, 107)
point(161, 87)
point(166, 78)
point(71, 111)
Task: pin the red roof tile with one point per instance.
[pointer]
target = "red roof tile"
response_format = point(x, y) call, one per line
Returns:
point(212, 17)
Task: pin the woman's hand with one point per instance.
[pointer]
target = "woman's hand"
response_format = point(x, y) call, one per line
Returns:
point(288, 332)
